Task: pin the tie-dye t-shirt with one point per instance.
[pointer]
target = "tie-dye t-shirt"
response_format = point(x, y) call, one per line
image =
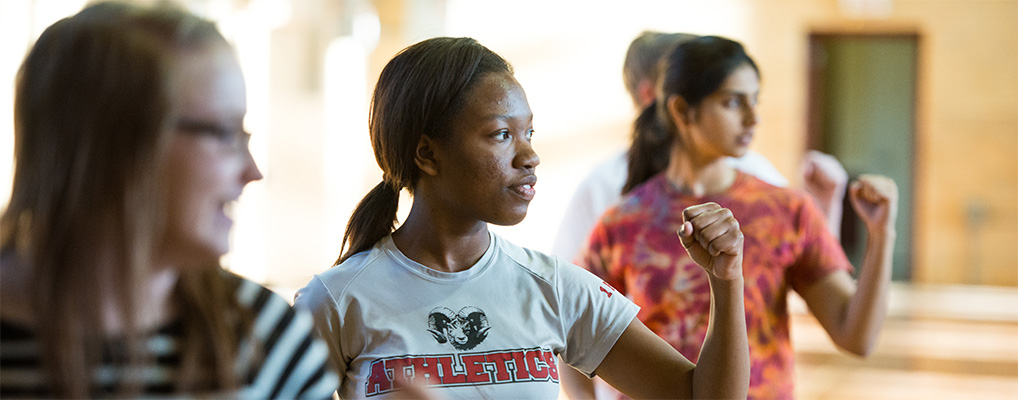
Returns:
point(787, 245)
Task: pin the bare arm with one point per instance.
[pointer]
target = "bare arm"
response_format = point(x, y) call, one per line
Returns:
point(642, 365)
point(851, 312)
point(576, 385)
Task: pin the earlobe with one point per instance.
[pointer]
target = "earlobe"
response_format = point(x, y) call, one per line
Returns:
point(424, 155)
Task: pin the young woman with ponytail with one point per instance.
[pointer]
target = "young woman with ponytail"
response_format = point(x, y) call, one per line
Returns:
point(443, 303)
point(705, 111)
point(129, 148)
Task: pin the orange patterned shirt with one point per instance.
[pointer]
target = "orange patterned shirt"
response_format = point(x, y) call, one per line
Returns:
point(787, 245)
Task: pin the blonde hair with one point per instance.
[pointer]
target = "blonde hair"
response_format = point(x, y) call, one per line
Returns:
point(93, 112)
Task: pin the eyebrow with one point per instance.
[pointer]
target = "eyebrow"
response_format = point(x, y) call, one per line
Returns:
point(737, 92)
point(529, 117)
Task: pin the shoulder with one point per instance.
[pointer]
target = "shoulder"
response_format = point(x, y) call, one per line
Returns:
point(549, 269)
point(261, 301)
point(291, 361)
point(338, 279)
point(756, 164)
point(539, 264)
point(763, 197)
point(642, 198)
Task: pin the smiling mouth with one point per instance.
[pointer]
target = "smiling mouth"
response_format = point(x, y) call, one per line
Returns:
point(227, 208)
point(526, 191)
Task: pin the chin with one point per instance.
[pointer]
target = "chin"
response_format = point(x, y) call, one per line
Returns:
point(509, 220)
point(739, 152)
point(210, 251)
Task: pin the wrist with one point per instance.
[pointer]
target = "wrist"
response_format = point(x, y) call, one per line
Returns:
point(883, 234)
point(720, 285)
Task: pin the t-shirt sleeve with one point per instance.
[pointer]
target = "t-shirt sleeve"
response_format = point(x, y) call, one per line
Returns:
point(820, 252)
point(594, 315)
point(316, 299)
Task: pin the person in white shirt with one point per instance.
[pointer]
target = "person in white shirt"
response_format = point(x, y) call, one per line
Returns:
point(443, 303)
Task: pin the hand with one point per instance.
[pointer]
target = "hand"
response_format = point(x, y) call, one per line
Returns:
point(875, 199)
point(712, 238)
point(824, 178)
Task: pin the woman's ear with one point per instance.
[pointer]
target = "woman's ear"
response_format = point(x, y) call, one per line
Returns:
point(679, 112)
point(645, 92)
point(424, 155)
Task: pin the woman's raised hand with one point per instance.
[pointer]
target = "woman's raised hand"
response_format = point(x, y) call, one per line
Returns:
point(875, 199)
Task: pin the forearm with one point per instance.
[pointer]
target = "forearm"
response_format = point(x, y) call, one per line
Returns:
point(867, 309)
point(833, 212)
point(575, 384)
point(723, 368)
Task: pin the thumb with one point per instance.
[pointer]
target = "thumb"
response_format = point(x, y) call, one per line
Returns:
point(686, 235)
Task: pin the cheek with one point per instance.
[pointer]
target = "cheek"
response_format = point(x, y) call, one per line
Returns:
point(197, 185)
point(483, 170)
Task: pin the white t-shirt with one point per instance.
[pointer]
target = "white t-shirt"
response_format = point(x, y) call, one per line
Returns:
point(491, 331)
point(602, 188)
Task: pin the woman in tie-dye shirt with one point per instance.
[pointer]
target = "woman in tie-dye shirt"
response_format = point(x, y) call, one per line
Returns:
point(705, 111)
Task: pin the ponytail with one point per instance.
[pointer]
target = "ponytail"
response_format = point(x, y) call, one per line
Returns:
point(419, 92)
point(372, 220)
point(650, 150)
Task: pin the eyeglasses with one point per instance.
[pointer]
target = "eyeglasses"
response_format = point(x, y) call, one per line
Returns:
point(234, 139)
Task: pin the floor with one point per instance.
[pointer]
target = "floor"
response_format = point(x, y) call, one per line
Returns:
point(938, 343)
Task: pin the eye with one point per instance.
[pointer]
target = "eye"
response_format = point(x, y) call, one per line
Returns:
point(530, 135)
point(203, 128)
point(234, 138)
point(502, 135)
point(733, 102)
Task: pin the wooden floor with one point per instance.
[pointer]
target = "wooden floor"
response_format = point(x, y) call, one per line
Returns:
point(938, 343)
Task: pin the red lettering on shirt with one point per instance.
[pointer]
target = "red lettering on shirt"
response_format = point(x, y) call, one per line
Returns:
point(497, 367)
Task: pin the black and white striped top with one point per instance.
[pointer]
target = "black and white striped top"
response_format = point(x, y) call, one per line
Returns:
point(294, 363)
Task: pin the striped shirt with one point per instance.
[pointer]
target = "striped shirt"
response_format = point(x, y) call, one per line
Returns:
point(293, 362)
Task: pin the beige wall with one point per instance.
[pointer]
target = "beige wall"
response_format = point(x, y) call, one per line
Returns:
point(967, 127)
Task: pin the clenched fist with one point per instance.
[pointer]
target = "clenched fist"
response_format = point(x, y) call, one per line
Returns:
point(712, 238)
point(875, 199)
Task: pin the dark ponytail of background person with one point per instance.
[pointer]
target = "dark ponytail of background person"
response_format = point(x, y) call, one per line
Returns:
point(693, 70)
point(419, 92)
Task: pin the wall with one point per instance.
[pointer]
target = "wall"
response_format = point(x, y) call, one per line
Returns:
point(966, 191)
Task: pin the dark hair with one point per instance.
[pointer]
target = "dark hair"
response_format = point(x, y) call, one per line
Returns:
point(419, 92)
point(93, 107)
point(693, 70)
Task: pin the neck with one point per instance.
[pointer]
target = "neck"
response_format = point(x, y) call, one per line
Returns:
point(152, 303)
point(699, 175)
point(438, 241)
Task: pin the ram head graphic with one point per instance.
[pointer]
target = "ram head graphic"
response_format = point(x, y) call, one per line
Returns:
point(464, 330)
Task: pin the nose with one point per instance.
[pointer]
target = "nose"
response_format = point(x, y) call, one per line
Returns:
point(526, 157)
point(251, 171)
point(750, 117)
